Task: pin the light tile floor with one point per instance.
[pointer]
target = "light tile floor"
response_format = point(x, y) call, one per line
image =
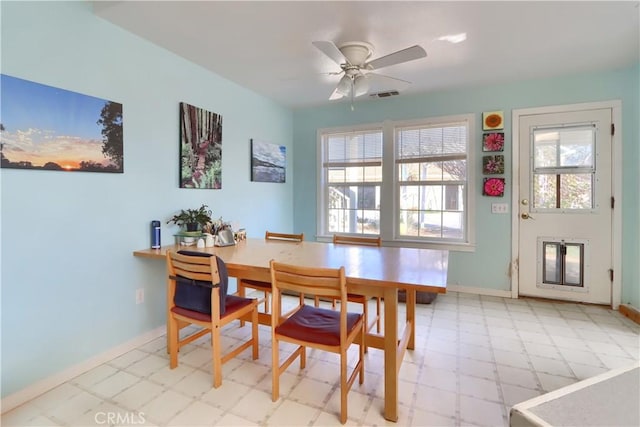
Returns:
point(475, 357)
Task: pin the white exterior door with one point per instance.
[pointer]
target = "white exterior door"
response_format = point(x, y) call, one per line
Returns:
point(565, 206)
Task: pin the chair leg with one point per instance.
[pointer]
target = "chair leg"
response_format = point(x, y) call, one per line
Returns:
point(361, 351)
point(343, 387)
point(275, 370)
point(173, 341)
point(266, 301)
point(378, 299)
point(254, 333)
point(365, 319)
point(317, 301)
point(241, 293)
point(216, 356)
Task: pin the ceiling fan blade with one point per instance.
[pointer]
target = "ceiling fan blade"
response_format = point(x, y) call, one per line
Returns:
point(380, 83)
point(404, 55)
point(331, 50)
point(382, 78)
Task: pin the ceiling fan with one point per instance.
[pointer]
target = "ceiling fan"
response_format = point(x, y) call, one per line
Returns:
point(353, 59)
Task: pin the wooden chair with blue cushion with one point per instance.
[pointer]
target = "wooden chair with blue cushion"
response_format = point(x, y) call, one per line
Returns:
point(197, 295)
point(315, 327)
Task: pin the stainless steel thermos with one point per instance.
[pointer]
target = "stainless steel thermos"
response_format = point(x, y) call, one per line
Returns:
point(155, 235)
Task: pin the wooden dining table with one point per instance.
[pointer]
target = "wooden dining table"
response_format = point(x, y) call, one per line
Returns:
point(371, 271)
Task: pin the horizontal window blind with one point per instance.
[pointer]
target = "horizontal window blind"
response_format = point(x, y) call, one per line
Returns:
point(362, 148)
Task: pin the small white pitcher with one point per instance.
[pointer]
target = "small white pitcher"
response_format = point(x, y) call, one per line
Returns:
point(209, 240)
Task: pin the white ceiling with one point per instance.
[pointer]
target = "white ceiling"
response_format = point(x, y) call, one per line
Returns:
point(266, 45)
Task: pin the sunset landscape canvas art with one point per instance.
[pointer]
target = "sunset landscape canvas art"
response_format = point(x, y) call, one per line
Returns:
point(48, 128)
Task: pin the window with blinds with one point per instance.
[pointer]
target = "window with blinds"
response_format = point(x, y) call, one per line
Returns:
point(431, 163)
point(352, 168)
point(406, 181)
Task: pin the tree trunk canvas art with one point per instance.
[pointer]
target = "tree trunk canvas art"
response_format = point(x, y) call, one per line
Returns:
point(200, 148)
point(48, 128)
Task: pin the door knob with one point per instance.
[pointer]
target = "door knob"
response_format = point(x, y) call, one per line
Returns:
point(525, 215)
point(525, 202)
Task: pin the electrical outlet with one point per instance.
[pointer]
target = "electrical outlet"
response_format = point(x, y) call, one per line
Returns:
point(139, 296)
point(499, 208)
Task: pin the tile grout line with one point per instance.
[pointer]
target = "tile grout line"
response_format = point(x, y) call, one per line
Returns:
point(496, 375)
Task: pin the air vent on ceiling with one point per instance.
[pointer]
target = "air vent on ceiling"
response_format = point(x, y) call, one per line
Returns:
point(385, 94)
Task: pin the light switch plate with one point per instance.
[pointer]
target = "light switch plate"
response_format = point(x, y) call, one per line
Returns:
point(499, 208)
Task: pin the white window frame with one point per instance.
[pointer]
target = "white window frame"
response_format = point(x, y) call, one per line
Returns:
point(389, 201)
point(469, 199)
point(323, 186)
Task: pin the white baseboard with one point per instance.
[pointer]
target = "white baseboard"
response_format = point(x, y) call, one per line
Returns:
point(479, 291)
point(34, 390)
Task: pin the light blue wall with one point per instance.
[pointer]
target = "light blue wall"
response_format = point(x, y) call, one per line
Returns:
point(68, 278)
point(488, 266)
point(68, 274)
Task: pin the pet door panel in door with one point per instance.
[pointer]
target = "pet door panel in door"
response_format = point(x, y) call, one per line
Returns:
point(562, 262)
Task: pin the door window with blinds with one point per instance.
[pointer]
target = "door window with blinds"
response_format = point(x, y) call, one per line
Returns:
point(352, 168)
point(431, 165)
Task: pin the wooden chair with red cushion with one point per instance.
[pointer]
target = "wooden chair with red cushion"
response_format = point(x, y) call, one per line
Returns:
point(315, 327)
point(370, 321)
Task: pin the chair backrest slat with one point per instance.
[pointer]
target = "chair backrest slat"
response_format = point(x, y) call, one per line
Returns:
point(357, 240)
point(284, 236)
point(313, 281)
point(207, 272)
point(310, 290)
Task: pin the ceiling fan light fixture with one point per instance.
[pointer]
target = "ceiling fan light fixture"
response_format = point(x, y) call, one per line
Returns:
point(344, 86)
point(360, 85)
point(336, 95)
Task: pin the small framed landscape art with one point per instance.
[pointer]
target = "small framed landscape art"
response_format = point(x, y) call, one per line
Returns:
point(493, 187)
point(493, 165)
point(268, 162)
point(493, 141)
point(48, 128)
point(200, 148)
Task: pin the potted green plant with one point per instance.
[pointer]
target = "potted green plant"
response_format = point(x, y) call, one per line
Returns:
point(192, 219)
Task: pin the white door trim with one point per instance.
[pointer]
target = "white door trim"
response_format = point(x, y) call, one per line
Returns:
point(616, 182)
